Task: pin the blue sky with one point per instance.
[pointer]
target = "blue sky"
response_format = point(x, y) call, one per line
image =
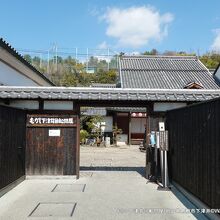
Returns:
point(134, 25)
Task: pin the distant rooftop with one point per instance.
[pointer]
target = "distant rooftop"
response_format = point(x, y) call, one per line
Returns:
point(164, 72)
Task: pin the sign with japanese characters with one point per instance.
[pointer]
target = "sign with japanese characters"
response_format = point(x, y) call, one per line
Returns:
point(51, 120)
point(163, 140)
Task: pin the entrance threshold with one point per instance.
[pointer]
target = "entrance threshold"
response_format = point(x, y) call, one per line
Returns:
point(45, 177)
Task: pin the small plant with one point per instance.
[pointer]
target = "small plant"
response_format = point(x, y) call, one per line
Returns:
point(83, 135)
point(116, 131)
point(95, 125)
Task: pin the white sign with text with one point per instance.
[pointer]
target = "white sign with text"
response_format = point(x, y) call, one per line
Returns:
point(54, 133)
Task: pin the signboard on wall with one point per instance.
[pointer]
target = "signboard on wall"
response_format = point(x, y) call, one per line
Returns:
point(54, 132)
point(51, 120)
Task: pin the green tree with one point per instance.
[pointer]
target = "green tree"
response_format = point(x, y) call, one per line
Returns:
point(69, 79)
point(152, 52)
point(28, 58)
point(210, 60)
point(83, 135)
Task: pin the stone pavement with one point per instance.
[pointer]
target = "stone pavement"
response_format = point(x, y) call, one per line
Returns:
point(101, 193)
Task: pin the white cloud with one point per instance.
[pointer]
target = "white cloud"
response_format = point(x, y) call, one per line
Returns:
point(136, 26)
point(216, 43)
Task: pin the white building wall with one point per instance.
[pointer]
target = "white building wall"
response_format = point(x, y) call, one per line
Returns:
point(138, 125)
point(165, 106)
point(107, 124)
point(58, 105)
point(11, 77)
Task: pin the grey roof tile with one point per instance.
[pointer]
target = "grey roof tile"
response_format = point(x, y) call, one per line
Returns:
point(103, 85)
point(161, 72)
point(107, 94)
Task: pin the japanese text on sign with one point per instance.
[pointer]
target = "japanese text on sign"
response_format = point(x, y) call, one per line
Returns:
point(45, 120)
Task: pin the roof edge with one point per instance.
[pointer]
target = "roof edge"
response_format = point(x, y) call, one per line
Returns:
point(159, 56)
point(88, 89)
point(17, 55)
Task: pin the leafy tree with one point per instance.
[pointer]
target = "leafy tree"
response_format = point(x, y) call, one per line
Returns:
point(210, 60)
point(106, 76)
point(36, 60)
point(69, 79)
point(83, 135)
point(93, 61)
point(28, 58)
point(116, 131)
point(152, 52)
point(95, 126)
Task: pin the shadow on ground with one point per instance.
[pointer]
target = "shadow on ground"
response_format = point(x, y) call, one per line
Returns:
point(140, 170)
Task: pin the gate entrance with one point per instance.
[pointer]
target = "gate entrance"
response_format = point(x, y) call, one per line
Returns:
point(51, 145)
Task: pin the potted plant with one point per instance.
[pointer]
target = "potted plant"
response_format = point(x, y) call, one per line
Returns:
point(116, 131)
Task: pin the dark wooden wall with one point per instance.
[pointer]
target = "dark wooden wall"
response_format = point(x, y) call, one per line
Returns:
point(123, 123)
point(12, 145)
point(194, 141)
point(51, 155)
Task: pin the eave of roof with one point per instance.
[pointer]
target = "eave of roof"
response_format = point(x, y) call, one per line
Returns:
point(157, 56)
point(18, 56)
point(107, 94)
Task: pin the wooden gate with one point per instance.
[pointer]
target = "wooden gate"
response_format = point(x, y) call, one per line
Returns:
point(12, 145)
point(51, 145)
point(194, 141)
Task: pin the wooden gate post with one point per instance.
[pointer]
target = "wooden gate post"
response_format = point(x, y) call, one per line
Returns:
point(148, 130)
point(76, 109)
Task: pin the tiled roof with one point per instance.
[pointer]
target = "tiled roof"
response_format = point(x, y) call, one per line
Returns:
point(94, 111)
point(18, 56)
point(126, 109)
point(106, 94)
point(164, 72)
point(103, 85)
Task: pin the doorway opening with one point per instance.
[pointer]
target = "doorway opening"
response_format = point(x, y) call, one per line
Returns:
point(110, 139)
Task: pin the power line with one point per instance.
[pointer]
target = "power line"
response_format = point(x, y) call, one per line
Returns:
point(80, 54)
point(108, 53)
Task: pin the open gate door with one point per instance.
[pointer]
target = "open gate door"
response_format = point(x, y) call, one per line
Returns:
point(52, 145)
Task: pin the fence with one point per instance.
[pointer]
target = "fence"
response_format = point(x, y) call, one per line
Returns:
point(12, 145)
point(194, 140)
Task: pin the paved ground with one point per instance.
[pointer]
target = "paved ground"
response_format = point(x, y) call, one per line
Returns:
point(112, 157)
point(119, 193)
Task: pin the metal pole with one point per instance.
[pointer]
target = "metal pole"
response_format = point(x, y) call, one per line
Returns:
point(157, 146)
point(48, 61)
point(40, 60)
point(164, 170)
point(129, 128)
point(76, 54)
point(87, 63)
point(166, 182)
point(56, 58)
point(108, 59)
